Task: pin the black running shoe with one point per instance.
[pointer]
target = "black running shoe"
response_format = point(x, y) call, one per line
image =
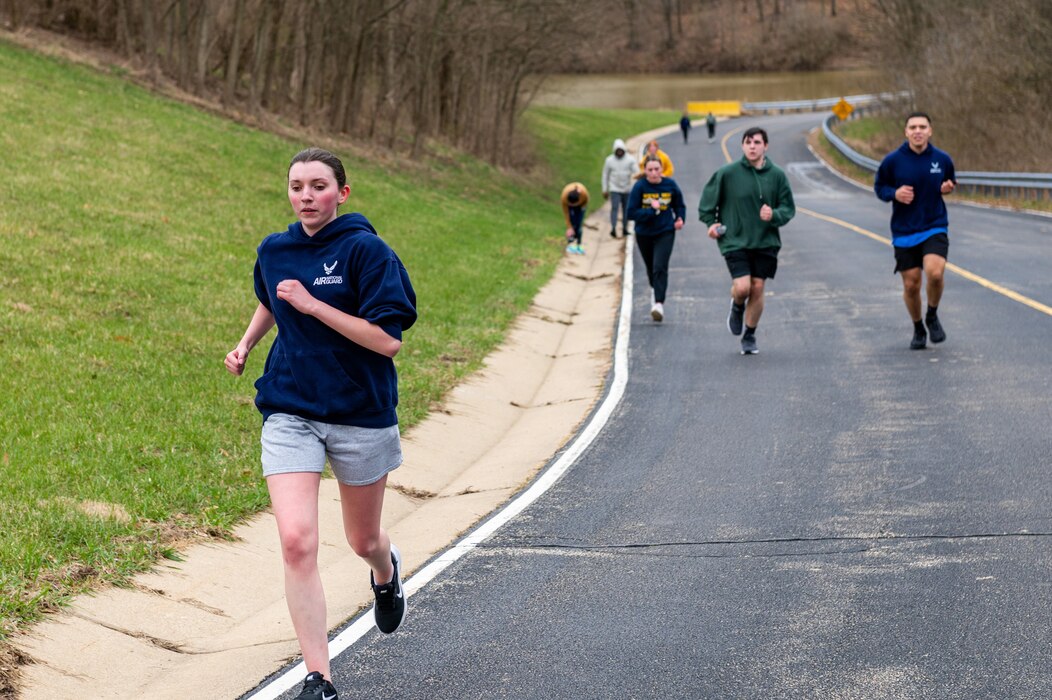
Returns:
point(389, 609)
point(315, 687)
point(613, 233)
point(749, 345)
point(735, 318)
point(935, 329)
point(920, 340)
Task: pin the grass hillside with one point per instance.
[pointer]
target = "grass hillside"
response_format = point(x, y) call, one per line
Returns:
point(127, 239)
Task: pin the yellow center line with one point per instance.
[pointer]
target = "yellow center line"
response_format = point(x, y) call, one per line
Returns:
point(723, 142)
point(992, 286)
point(857, 229)
point(982, 281)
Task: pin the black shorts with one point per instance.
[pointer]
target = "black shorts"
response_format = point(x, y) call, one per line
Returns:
point(758, 262)
point(909, 258)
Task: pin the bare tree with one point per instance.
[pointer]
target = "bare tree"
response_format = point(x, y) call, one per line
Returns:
point(234, 54)
point(666, 11)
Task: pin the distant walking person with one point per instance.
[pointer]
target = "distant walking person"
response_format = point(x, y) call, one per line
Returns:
point(341, 299)
point(654, 151)
point(618, 172)
point(710, 124)
point(752, 200)
point(914, 179)
point(574, 199)
point(656, 205)
point(684, 126)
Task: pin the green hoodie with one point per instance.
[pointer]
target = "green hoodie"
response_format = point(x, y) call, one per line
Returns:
point(733, 196)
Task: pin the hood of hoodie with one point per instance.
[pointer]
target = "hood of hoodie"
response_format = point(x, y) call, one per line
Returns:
point(341, 225)
point(618, 143)
point(762, 169)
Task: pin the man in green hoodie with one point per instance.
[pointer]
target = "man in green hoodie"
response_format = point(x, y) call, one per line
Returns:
point(744, 204)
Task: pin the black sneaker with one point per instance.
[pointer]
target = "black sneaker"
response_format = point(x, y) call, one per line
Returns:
point(735, 318)
point(613, 233)
point(749, 345)
point(389, 608)
point(920, 339)
point(315, 687)
point(935, 329)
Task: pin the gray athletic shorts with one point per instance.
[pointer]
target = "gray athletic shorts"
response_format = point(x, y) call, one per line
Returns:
point(358, 456)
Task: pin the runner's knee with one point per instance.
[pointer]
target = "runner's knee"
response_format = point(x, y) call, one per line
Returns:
point(364, 545)
point(299, 548)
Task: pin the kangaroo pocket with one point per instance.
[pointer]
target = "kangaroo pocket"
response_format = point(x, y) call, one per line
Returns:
point(323, 384)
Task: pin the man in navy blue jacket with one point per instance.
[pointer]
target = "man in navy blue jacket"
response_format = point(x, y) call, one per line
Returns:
point(914, 179)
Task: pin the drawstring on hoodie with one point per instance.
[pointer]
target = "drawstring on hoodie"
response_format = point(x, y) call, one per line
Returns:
point(759, 184)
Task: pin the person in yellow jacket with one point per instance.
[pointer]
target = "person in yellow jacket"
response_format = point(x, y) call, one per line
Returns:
point(667, 169)
point(574, 200)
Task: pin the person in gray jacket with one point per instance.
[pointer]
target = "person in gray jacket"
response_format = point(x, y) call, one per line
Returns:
point(619, 173)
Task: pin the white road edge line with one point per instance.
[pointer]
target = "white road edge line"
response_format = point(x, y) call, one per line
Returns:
point(344, 640)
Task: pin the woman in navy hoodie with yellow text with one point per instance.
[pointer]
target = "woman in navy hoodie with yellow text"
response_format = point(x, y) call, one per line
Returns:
point(656, 205)
point(341, 299)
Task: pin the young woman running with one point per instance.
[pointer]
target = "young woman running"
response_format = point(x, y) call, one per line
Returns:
point(341, 299)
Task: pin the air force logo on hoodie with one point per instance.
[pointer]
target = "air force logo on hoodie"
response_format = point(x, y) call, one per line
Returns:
point(329, 278)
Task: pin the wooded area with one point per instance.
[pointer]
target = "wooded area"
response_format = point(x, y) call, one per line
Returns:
point(395, 72)
point(399, 72)
point(981, 70)
point(720, 35)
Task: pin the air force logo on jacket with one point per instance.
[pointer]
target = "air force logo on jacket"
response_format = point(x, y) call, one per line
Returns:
point(329, 278)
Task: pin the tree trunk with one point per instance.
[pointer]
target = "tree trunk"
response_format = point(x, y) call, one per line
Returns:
point(633, 25)
point(149, 37)
point(204, 44)
point(233, 63)
point(261, 57)
point(181, 35)
point(125, 42)
point(666, 10)
point(299, 62)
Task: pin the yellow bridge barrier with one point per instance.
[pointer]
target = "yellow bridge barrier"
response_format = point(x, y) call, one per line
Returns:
point(720, 108)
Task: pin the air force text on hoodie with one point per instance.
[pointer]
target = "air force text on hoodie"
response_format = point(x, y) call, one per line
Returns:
point(312, 371)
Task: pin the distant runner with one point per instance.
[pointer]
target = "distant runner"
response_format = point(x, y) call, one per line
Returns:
point(654, 151)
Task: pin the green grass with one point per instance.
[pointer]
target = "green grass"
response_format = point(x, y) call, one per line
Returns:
point(127, 240)
point(875, 135)
point(574, 141)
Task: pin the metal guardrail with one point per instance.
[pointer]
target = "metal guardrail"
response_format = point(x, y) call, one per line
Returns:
point(818, 105)
point(1011, 185)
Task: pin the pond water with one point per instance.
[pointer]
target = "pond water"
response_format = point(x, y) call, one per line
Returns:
point(673, 91)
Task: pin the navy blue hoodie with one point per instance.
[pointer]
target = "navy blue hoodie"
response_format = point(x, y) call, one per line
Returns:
point(925, 216)
point(312, 371)
point(650, 221)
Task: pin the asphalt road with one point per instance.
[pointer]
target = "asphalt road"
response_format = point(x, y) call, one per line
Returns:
point(837, 517)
